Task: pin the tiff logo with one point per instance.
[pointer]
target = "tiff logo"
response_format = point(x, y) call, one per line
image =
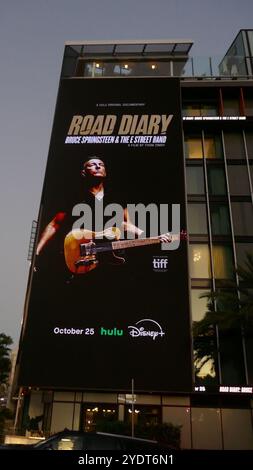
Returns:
point(160, 264)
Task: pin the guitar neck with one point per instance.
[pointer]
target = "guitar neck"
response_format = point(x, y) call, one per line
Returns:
point(122, 244)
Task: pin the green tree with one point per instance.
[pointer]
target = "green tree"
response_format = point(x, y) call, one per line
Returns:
point(5, 367)
point(229, 308)
point(5, 362)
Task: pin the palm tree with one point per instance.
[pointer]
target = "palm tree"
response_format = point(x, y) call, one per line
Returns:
point(229, 309)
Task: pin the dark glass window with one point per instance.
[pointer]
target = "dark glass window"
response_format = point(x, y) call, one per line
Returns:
point(249, 355)
point(241, 251)
point(195, 180)
point(234, 145)
point(238, 179)
point(197, 220)
point(251, 173)
point(223, 262)
point(231, 107)
point(242, 218)
point(216, 181)
point(249, 143)
point(231, 98)
point(231, 354)
point(220, 219)
point(212, 146)
point(248, 100)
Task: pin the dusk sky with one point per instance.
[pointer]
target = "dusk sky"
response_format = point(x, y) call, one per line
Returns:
point(32, 37)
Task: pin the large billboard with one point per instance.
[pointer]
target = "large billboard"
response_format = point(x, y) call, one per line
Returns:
point(109, 297)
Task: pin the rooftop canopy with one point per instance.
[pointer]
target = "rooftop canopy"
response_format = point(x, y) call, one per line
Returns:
point(165, 47)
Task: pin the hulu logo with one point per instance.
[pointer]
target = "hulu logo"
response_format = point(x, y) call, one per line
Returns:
point(111, 332)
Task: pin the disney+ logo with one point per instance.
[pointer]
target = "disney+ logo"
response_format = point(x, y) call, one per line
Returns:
point(146, 328)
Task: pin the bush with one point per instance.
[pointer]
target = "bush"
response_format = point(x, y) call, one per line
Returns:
point(5, 414)
point(32, 424)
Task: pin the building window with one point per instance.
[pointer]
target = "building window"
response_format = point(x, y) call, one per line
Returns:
point(197, 220)
point(242, 249)
point(220, 222)
point(206, 428)
point(205, 357)
point(249, 354)
point(179, 416)
point(248, 101)
point(98, 69)
point(232, 420)
point(192, 110)
point(193, 147)
point(94, 414)
point(200, 261)
point(223, 262)
point(195, 180)
point(199, 305)
point(200, 109)
point(231, 107)
point(231, 354)
point(231, 99)
point(234, 145)
point(212, 146)
point(144, 415)
point(216, 181)
point(238, 180)
point(242, 218)
point(251, 173)
point(249, 143)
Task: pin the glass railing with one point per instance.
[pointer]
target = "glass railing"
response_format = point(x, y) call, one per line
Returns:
point(216, 66)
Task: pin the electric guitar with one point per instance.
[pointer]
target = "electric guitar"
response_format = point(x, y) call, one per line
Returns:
point(83, 247)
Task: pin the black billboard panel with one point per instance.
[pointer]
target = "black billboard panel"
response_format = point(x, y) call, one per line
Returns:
point(109, 297)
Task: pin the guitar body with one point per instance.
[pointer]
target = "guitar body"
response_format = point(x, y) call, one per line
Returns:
point(81, 249)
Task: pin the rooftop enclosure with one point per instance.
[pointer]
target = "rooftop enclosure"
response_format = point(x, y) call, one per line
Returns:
point(155, 58)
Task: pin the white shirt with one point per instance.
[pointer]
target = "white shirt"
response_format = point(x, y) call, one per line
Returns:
point(100, 194)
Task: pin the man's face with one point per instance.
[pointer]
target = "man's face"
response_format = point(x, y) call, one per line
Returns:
point(94, 167)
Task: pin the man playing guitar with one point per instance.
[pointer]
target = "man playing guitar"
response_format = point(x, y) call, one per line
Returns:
point(94, 172)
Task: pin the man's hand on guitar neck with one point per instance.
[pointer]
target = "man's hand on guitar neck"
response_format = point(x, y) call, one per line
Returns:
point(169, 237)
point(166, 238)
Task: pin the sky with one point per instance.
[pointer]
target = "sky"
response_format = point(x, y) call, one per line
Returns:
point(32, 37)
